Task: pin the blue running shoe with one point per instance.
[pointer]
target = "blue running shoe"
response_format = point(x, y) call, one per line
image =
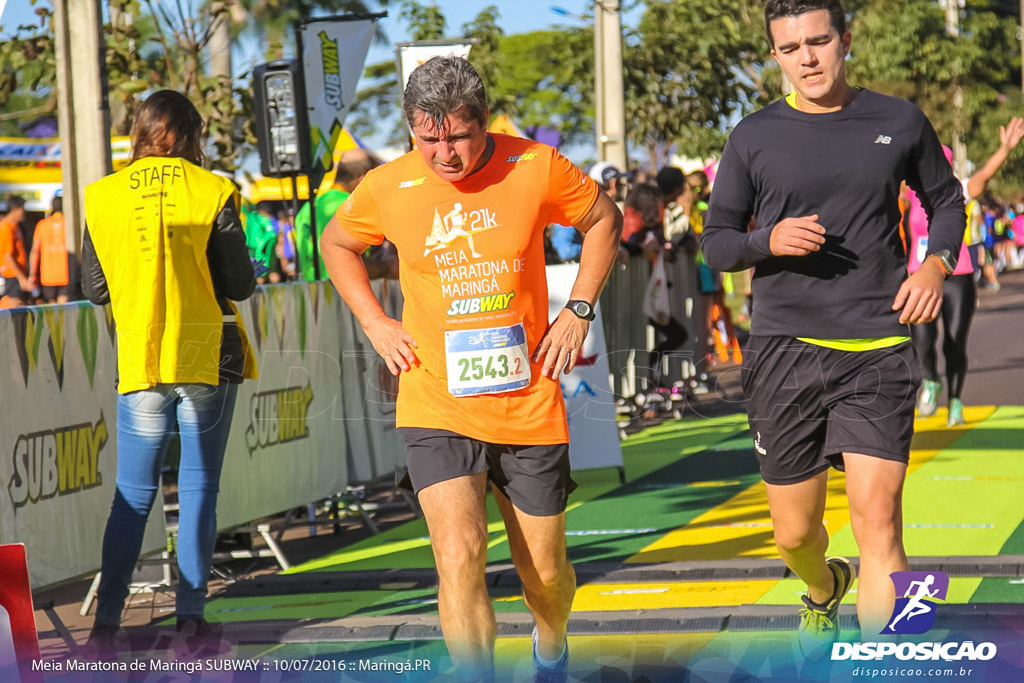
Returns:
point(546, 672)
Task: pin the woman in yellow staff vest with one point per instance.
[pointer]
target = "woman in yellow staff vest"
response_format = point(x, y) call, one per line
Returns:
point(164, 246)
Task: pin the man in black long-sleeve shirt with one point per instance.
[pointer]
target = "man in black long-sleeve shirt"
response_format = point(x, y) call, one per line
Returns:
point(829, 372)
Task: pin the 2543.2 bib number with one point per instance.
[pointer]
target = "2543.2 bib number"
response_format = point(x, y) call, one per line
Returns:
point(487, 361)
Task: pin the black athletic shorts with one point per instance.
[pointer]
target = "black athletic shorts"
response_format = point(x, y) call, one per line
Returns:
point(808, 404)
point(536, 479)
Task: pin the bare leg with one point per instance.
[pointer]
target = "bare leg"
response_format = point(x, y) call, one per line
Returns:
point(875, 489)
point(457, 522)
point(797, 512)
point(549, 582)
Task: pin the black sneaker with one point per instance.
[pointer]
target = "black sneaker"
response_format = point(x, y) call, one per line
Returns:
point(201, 639)
point(545, 673)
point(819, 623)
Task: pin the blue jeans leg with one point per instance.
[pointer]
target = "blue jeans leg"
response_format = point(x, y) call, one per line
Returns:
point(146, 420)
point(204, 420)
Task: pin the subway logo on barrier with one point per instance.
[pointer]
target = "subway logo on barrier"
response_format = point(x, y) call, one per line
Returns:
point(277, 417)
point(481, 304)
point(332, 74)
point(57, 462)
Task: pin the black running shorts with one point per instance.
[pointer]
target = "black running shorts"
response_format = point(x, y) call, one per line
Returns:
point(536, 479)
point(808, 404)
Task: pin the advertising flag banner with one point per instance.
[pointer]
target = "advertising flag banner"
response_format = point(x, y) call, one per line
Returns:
point(411, 55)
point(333, 55)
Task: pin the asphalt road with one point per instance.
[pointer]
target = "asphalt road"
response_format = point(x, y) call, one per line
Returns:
point(995, 347)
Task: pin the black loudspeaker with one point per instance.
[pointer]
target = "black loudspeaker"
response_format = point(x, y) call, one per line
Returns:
point(282, 119)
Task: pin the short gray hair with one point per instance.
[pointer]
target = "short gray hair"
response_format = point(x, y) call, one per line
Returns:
point(441, 86)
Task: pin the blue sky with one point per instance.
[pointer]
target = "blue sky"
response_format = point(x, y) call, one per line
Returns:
point(515, 16)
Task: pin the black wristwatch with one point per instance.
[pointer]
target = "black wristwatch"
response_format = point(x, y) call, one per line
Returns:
point(946, 260)
point(581, 309)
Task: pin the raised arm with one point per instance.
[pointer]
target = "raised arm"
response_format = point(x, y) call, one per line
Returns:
point(1009, 136)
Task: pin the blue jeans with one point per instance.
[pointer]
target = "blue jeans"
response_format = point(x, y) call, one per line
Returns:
point(145, 424)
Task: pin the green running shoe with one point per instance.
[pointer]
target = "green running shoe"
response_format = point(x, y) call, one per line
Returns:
point(956, 413)
point(819, 624)
point(928, 402)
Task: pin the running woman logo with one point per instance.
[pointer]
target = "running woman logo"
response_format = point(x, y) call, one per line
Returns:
point(914, 613)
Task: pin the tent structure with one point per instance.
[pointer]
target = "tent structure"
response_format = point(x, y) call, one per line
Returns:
point(30, 167)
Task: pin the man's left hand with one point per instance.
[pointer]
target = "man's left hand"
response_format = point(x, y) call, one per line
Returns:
point(920, 295)
point(559, 348)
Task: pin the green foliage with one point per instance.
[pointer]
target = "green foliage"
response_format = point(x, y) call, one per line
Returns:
point(547, 77)
point(692, 67)
point(27, 64)
point(904, 50)
point(487, 59)
point(426, 22)
point(270, 21)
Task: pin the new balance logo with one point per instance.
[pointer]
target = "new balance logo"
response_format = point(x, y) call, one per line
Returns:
point(757, 445)
point(883, 140)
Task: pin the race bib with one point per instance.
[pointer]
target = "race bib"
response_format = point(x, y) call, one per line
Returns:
point(493, 360)
point(922, 249)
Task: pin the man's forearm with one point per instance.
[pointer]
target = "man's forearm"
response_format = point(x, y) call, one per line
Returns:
point(979, 180)
point(600, 246)
point(13, 265)
point(349, 277)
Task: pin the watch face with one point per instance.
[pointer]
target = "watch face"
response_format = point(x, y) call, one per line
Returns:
point(582, 309)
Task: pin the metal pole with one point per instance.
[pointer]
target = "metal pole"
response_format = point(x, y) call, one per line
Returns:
point(314, 225)
point(66, 125)
point(599, 135)
point(89, 90)
point(959, 149)
point(614, 90)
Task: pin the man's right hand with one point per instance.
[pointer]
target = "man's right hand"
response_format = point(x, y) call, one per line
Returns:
point(797, 236)
point(393, 343)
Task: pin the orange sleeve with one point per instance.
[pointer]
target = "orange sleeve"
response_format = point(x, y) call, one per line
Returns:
point(6, 240)
point(359, 215)
point(571, 192)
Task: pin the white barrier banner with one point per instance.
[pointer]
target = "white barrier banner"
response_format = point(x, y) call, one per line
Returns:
point(589, 403)
point(333, 54)
point(58, 438)
point(287, 442)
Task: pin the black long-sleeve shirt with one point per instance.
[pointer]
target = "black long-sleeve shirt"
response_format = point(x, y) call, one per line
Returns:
point(845, 166)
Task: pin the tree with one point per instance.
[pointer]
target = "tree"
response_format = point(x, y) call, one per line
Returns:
point(271, 20)
point(692, 68)
point(905, 51)
point(27, 64)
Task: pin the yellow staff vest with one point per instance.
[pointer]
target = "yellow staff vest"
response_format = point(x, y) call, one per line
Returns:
point(150, 224)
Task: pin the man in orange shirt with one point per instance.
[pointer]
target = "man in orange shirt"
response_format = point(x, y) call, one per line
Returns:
point(50, 264)
point(13, 267)
point(479, 397)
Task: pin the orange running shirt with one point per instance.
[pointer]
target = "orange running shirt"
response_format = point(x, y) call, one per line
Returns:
point(11, 243)
point(53, 255)
point(471, 258)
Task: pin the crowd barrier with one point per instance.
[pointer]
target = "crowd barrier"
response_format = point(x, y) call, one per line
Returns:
point(320, 417)
point(58, 411)
point(629, 337)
